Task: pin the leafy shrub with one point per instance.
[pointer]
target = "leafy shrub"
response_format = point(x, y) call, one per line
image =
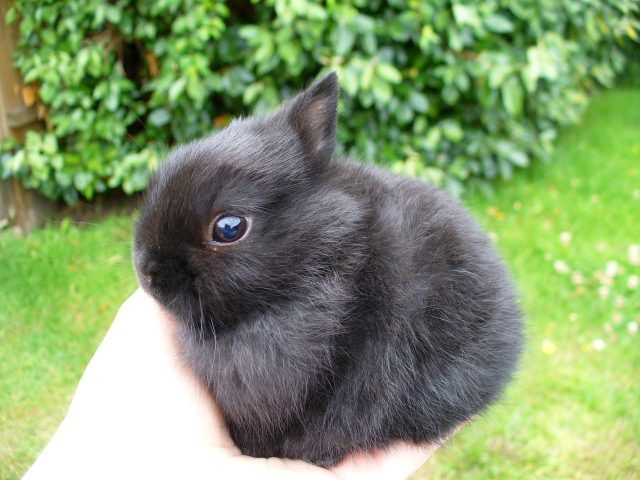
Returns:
point(452, 92)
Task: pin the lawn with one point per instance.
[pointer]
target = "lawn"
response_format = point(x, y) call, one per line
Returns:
point(569, 230)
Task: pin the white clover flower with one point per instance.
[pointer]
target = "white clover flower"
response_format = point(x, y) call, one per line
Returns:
point(612, 268)
point(598, 344)
point(633, 282)
point(548, 347)
point(605, 280)
point(603, 292)
point(616, 318)
point(632, 327)
point(565, 238)
point(561, 267)
point(577, 278)
point(633, 253)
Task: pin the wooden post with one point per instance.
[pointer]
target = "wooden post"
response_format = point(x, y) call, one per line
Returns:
point(23, 208)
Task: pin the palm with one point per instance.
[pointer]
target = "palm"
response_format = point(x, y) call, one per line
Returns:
point(138, 407)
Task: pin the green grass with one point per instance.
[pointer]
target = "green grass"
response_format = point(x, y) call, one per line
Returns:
point(572, 410)
point(59, 290)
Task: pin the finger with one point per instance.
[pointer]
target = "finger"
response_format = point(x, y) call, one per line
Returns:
point(242, 467)
point(137, 377)
point(397, 462)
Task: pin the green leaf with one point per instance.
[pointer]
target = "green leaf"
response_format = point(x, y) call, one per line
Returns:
point(82, 58)
point(489, 167)
point(432, 141)
point(432, 175)
point(363, 24)
point(369, 43)
point(265, 49)
point(389, 73)
point(518, 158)
point(159, 117)
point(509, 150)
point(498, 73)
point(418, 101)
point(452, 130)
point(540, 64)
point(177, 88)
point(11, 15)
point(251, 33)
point(466, 15)
point(513, 96)
point(251, 93)
point(343, 38)
point(420, 125)
point(381, 90)
point(47, 92)
point(196, 90)
point(498, 23)
point(70, 196)
point(112, 100)
point(506, 170)
point(366, 78)
point(49, 144)
point(455, 39)
point(63, 178)
point(82, 180)
point(113, 14)
point(290, 53)
point(99, 15)
point(428, 38)
point(404, 114)
point(349, 79)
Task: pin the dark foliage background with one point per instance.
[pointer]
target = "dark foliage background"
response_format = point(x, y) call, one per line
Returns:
point(456, 93)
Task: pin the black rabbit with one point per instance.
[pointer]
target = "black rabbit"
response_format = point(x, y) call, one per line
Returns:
point(328, 306)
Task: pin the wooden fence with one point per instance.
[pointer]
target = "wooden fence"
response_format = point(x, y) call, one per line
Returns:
point(19, 207)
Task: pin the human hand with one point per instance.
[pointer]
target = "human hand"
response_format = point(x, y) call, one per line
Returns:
point(139, 412)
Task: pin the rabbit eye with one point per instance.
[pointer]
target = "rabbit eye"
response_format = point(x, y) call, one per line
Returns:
point(229, 228)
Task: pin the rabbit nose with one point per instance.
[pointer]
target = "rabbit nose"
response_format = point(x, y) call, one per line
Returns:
point(147, 275)
point(145, 267)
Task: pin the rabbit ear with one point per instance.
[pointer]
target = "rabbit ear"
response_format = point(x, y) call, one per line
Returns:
point(312, 114)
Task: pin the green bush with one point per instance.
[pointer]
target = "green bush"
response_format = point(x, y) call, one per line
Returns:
point(452, 92)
